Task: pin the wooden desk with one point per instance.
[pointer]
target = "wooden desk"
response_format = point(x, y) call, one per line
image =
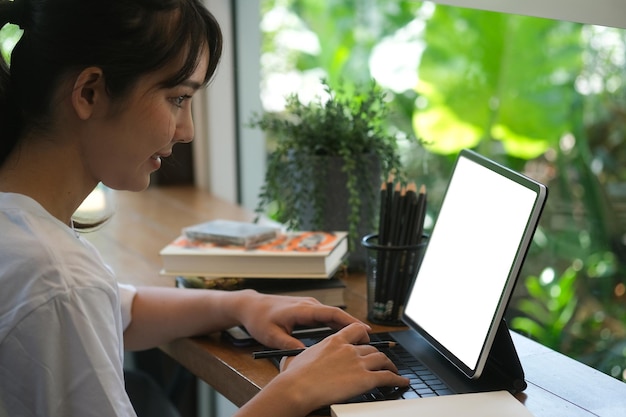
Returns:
point(145, 222)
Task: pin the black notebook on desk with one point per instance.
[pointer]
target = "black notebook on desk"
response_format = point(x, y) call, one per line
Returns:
point(455, 308)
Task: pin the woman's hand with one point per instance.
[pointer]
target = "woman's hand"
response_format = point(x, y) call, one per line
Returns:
point(346, 355)
point(338, 368)
point(270, 319)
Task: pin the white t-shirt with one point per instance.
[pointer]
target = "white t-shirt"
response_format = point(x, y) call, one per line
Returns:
point(62, 316)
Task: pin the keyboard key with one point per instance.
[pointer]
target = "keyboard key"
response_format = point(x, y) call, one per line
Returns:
point(410, 395)
point(424, 391)
point(418, 385)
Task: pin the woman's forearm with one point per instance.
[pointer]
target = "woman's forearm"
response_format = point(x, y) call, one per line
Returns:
point(160, 315)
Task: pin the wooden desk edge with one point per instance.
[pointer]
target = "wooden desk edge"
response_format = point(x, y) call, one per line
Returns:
point(206, 364)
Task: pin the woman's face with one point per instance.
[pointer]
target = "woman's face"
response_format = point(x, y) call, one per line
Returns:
point(128, 144)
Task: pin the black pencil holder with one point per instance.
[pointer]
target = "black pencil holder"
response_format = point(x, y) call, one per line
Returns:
point(390, 273)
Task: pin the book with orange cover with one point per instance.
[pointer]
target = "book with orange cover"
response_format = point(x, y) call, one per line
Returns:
point(300, 254)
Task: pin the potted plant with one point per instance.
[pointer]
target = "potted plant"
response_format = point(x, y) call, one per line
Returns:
point(327, 160)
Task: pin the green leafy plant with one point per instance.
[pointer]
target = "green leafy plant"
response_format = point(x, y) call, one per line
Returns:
point(349, 125)
point(482, 83)
point(549, 309)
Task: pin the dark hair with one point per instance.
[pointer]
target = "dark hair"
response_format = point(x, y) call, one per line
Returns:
point(125, 38)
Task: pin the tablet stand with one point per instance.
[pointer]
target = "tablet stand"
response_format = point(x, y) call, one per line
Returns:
point(503, 364)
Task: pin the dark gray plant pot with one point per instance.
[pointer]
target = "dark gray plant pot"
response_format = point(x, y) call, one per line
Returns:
point(329, 174)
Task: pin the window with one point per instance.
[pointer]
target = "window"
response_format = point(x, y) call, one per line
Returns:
point(543, 96)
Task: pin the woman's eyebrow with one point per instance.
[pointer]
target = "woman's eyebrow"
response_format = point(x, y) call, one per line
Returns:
point(192, 84)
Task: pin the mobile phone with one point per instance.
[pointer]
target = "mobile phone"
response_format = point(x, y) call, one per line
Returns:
point(239, 336)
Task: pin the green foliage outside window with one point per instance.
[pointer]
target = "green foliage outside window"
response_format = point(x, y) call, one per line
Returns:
point(9, 35)
point(544, 97)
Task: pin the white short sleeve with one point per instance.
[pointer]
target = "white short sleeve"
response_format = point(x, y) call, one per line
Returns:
point(127, 295)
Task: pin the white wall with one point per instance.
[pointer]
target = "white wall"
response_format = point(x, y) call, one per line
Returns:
point(595, 12)
point(229, 158)
point(251, 143)
point(215, 151)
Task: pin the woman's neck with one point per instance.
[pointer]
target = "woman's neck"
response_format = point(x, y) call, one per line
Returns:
point(48, 173)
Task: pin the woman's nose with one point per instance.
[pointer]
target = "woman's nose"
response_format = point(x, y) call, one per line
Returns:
point(184, 128)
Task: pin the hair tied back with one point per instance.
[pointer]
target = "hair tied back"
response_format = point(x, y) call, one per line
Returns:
point(15, 12)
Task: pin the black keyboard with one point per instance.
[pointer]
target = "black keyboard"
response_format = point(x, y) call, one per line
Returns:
point(423, 383)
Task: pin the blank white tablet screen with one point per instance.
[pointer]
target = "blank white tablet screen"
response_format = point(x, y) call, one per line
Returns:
point(469, 257)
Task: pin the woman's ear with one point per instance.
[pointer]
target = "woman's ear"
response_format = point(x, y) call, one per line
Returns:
point(88, 91)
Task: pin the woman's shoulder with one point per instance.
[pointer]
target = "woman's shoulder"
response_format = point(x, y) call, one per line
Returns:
point(29, 231)
point(39, 251)
point(42, 260)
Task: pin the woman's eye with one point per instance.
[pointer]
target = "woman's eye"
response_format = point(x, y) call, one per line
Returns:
point(178, 101)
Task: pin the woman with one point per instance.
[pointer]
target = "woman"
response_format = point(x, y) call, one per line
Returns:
point(100, 91)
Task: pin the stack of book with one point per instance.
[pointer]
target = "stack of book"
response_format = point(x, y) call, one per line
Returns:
point(234, 255)
point(326, 291)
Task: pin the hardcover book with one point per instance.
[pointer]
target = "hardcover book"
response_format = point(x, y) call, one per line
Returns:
point(302, 254)
point(326, 291)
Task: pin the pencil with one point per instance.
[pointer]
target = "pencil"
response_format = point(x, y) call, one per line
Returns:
point(421, 213)
point(383, 233)
point(382, 217)
point(383, 224)
point(293, 352)
point(408, 214)
point(396, 210)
